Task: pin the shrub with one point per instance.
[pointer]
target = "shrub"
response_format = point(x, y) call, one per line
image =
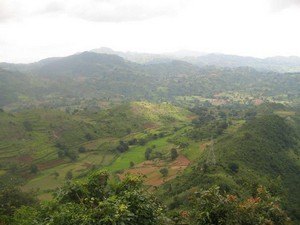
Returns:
point(82, 149)
point(148, 153)
point(164, 172)
point(69, 175)
point(234, 167)
point(88, 137)
point(174, 153)
point(122, 147)
point(131, 164)
point(34, 169)
point(212, 207)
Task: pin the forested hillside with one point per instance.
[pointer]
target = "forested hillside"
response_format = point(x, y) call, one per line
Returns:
point(108, 77)
point(264, 151)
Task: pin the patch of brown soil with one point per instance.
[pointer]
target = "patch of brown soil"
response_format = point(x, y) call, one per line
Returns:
point(192, 117)
point(150, 126)
point(87, 165)
point(181, 161)
point(50, 164)
point(257, 101)
point(27, 159)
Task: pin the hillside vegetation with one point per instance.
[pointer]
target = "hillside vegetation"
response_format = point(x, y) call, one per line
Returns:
point(68, 81)
point(264, 151)
point(96, 139)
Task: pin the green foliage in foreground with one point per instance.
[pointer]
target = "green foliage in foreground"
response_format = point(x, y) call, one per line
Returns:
point(96, 202)
point(212, 207)
point(11, 199)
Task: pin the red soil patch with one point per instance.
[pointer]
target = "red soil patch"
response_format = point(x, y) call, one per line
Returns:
point(50, 164)
point(25, 159)
point(257, 101)
point(181, 161)
point(87, 165)
point(150, 169)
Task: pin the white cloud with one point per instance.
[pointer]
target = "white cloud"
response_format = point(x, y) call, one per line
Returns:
point(279, 5)
point(93, 10)
point(42, 28)
point(120, 11)
point(6, 11)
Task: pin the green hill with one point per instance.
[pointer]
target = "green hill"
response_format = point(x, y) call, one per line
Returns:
point(69, 80)
point(263, 151)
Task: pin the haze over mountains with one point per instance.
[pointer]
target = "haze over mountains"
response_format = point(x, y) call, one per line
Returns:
point(201, 59)
point(277, 63)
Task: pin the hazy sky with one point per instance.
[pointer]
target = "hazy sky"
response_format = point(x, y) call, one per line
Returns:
point(34, 29)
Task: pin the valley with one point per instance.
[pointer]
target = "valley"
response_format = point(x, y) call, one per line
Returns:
point(179, 127)
point(138, 112)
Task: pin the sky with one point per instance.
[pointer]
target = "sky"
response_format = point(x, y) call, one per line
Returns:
point(35, 29)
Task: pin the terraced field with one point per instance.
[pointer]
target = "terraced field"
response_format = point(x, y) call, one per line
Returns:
point(35, 137)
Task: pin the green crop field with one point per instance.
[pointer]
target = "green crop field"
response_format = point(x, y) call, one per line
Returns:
point(36, 136)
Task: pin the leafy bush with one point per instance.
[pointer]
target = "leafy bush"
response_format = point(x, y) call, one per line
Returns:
point(34, 169)
point(234, 167)
point(11, 199)
point(174, 153)
point(212, 207)
point(82, 149)
point(97, 202)
point(122, 147)
point(148, 153)
point(164, 172)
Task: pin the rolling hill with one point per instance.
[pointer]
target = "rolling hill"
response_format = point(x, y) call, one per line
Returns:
point(105, 77)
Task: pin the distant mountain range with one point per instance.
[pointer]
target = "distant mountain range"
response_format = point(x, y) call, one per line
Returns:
point(94, 75)
point(277, 64)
